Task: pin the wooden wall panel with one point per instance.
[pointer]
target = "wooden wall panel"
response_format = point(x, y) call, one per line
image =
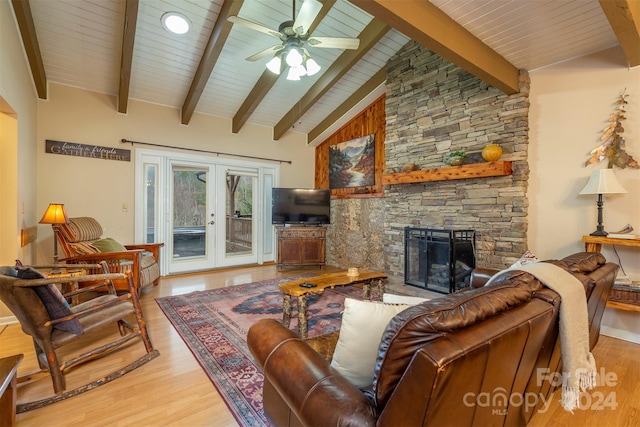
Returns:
point(371, 121)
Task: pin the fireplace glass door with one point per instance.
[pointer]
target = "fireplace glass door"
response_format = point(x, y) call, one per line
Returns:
point(439, 260)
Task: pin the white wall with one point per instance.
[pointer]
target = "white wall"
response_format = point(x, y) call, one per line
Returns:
point(99, 188)
point(570, 105)
point(17, 144)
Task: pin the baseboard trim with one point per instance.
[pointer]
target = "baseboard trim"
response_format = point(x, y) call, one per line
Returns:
point(8, 320)
point(620, 334)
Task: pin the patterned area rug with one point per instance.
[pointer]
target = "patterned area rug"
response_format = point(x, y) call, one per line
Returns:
point(214, 325)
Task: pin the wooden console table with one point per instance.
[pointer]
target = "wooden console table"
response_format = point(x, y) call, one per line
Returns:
point(301, 246)
point(622, 297)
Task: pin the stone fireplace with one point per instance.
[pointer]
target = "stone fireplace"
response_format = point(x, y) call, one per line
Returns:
point(438, 260)
point(433, 107)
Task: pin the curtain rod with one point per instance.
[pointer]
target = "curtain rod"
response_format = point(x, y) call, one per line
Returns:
point(126, 141)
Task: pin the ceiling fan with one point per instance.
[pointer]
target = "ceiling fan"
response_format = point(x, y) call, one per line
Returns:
point(294, 35)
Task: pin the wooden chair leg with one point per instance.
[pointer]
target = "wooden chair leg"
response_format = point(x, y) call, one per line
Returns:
point(140, 318)
point(40, 356)
point(145, 336)
point(122, 328)
point(57, 377)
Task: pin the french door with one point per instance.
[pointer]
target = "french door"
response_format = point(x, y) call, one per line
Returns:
point(191, 222)
point(209, 213)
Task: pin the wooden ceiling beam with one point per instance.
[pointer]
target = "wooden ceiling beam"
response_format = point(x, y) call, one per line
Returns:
point(216, 42)
point(368, 38)
point(624, 18)
point(128, 39)
point(22, 11)
point(423, 22)
point(268, 79)
point(364, 90)
point(255, 97)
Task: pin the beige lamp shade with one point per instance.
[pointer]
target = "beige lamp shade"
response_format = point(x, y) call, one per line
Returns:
point(55, 214)
point(603, 181)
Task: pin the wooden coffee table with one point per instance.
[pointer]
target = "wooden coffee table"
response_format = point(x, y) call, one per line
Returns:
point(330, 280)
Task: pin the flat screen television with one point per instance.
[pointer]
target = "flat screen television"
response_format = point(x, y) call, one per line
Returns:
point(300, 206)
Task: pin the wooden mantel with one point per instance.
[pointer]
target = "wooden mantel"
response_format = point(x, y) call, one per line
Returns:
point(475, 170)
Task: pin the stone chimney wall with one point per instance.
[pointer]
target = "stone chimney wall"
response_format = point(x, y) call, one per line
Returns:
point(432, 108)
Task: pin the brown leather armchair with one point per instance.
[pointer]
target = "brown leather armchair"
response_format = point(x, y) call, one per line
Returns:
point(78, 241)
point(436, 358)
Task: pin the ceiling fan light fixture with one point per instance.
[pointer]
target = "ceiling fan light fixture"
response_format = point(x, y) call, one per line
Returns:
point(312, 67)
point(175, 23)
point(293, 35)
point(301, 70)
point(294, 57)
point(293, 74)
point(275, 64)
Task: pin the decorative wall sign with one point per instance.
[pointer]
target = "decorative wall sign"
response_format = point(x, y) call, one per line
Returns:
point(352, 163)
point(84, 150)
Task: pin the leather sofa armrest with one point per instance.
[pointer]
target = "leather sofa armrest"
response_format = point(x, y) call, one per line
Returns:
point(316, 393)
point(480, 276)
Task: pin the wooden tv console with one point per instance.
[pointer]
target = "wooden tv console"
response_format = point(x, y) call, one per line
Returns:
point(301, 246)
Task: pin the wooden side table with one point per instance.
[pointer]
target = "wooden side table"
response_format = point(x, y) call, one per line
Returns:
point(594, 243)
point(64, 270)
point(622, 297)
point(8, 392)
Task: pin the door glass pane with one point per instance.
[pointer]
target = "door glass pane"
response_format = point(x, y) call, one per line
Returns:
point(267, 214)
point(189, 212)
point(239, 214)
point(150, 173)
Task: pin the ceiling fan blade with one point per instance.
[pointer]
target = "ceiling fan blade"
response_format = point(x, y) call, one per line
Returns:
point(334, 42)
point(268, 51)
point(255, 27)
point(308, 12)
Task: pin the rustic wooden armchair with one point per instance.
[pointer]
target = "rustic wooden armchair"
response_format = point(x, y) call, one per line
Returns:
point(45, 315)
point(81, 241)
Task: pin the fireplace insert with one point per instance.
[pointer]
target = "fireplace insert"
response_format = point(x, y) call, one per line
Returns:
point(438, 260)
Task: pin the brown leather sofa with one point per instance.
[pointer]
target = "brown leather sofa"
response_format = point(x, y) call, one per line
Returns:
point(481, 356)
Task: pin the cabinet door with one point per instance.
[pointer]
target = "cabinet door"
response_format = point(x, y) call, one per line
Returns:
point(290, 251)
point(311, 252)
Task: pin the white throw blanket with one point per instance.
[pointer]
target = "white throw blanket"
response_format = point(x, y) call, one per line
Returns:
point(578, 364)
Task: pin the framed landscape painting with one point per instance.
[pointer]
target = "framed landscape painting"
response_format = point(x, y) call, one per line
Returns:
point(352, 163)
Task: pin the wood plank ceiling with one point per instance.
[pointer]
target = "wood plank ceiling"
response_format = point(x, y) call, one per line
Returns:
point(119, 47)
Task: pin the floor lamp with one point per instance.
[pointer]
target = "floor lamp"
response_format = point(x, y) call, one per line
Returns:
point(602, 181)
point(55, 215)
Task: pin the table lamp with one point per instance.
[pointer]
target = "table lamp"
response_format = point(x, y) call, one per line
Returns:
point(602, 181)
point(55, 215)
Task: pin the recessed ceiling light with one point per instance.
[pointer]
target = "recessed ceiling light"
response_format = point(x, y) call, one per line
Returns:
point(175, 22)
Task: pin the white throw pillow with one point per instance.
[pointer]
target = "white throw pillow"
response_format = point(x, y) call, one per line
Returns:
point(402, 299)
point(363, 323)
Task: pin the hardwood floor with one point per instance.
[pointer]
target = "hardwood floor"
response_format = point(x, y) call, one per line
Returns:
point(174, 390)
